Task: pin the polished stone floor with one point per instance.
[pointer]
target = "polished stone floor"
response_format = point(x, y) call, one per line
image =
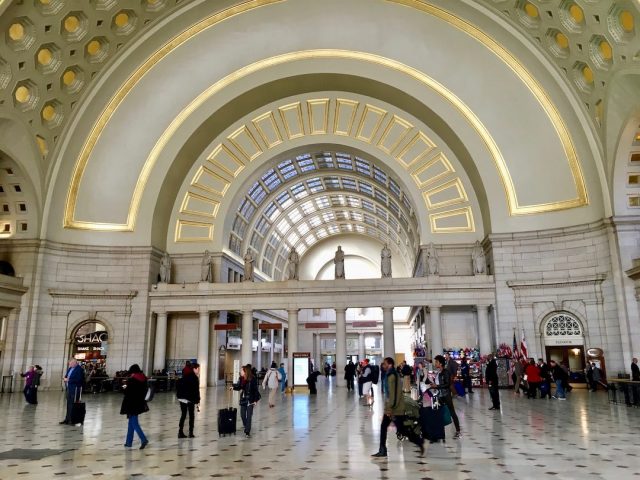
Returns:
point(328, 437)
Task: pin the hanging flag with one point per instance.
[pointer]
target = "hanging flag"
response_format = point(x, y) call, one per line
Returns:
point(516, 354)
point(523, 347)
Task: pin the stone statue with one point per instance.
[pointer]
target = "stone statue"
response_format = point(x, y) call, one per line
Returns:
point(385, 262)
point(338, 261)
point(248, 266)
point(432, 261)
point(165, 269)
point(294, 260)
point(478, 259)
point(206, 275)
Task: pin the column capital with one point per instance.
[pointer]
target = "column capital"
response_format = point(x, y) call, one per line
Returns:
point(484, 306)
point(340, 309)
point(247, 312)
point(387, 308)
point(292, 311)
point(204, 312)
point(435, 307)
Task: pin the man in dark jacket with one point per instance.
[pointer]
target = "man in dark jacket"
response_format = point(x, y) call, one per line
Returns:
point(545, 373)
point(491, 376)
point(349, 374)
point(452, 368)
point(561, 378)
point(635, 371)
point(74, 380)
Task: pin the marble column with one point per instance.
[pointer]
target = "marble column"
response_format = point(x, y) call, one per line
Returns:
point(259, 351)
point(271, 342)
point(203, 347)
point(436, 331)
point(362, 352)
point(212, 377)
point(292, 344)
point(318, 356)
point(341, 346)
point(388, 333)
point(160, 346)
point(484, 330)
point(246, 353)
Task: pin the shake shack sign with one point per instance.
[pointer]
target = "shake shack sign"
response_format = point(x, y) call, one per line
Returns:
point(90, 339)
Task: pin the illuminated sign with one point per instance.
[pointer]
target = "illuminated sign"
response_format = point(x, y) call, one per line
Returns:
point(95, 338)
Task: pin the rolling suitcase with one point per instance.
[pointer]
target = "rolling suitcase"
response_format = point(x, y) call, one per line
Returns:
point(432, 422)
point(227, 418)
point(79, 409)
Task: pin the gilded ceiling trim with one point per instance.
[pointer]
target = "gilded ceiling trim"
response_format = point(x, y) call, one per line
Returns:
point(514, 207)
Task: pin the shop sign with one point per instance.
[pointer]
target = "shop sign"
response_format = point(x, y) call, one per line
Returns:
point(563, 341)
point(95, 338)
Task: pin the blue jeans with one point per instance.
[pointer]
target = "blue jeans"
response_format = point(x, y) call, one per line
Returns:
point(134, 426)
point(559, 389)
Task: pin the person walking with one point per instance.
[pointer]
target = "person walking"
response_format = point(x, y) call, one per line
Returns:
point(74, 380)
point(491, 375)
point(272, 381)
point(442, 382)
point(188, 394)
point(367, 382)
point(249, 397)
point(406, 372)
point(518, 371)
point(561, 379)
point(29, 378)
point(534, 379)
point(545, 374)
point(465, 371)
point(283, 378)
point(598, 378)
point(452, 367)
point(394, 410)
point(134, 404)
point(349, 375)
point(312, 380)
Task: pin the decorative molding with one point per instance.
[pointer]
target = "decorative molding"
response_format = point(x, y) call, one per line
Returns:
point(94, 294)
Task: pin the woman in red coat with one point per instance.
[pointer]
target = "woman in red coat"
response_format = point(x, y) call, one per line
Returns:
point(134, 404)
point(533, 378)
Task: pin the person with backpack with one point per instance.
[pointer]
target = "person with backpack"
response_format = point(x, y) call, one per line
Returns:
point(367, 382)
point(134, 403)
point(188, 393)
point(272, 381)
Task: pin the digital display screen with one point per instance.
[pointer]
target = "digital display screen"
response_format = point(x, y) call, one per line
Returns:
point(300, 371)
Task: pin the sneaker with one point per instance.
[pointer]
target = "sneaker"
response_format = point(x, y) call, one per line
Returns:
point(554, 397)
point(562, 398)
point(247, 434)
point(144, 444)
point(380, 454)
point(457, 435)
point(421, 448)
point(128, 446)
point(494, 408)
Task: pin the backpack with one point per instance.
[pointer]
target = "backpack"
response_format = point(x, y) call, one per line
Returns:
point(375, 374)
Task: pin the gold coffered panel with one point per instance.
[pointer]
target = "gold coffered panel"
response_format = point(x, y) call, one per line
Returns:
point(187, 231)
point(432, 171)
point(417, 149)
point(292, 118)
point(318, 111)
point(200, 205)
point(369, 123)
point(394, 134)
point(453, 221)
point(210, 181)
point(344, 116)
point(450, 193)
point(268, 129)
point(222, 158)
point(246, 143)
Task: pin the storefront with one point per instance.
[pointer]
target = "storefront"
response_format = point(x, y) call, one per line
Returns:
point(89, 347)
point(564, 343)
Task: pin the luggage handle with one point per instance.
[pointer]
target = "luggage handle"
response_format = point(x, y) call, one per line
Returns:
point(79, 399)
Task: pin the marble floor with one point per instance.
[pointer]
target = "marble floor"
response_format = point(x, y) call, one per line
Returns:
point(327, 437)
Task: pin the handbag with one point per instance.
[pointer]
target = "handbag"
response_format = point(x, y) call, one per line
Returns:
point(149, 396)
point(446, 415)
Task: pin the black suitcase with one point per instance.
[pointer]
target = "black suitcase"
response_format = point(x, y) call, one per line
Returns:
point(78, 410)
point(227, 418)
point(432, 423)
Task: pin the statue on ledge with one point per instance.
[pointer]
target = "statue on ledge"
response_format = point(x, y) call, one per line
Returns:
point(248, 266)
point(338, 261)
point(165, 269)
point(479, 260)
point(432, 262)
point(294, 260)
point(385, 262)
point(206, 275)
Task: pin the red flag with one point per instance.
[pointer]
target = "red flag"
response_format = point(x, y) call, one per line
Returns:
point(523, 347)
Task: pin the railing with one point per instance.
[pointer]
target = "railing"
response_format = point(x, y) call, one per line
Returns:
point(624, 392)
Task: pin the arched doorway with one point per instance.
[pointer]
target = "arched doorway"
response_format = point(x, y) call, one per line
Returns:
point(89, 346)
point(564, 342)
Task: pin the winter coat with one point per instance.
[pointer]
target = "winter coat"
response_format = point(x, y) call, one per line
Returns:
point(444, 383)
point(533, 374)
point(188, 388)
point(559, 374)
point(134, 402)
point(394, 403)
point(271, 378)
point(491, 373)
point(248, 390)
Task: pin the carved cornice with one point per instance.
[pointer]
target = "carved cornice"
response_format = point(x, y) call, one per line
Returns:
point(556, 282)
point(94, 294)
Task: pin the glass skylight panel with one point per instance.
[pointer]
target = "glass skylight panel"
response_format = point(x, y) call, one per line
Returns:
point(303, 229)
point(284, 165)
point(257, 193)
point(372, 231)
point(315, 221)
point(308, 207)
point(266, 267)
point(381, 213)
point(271, 179)
point(284, 199)
point(393, 186)
point(269, 252)
point(283, 227)
point(394, 206)
point(262, 226)
point(321, 233)
point(357, 216)
point(287, 169)
point(308, 167)
point(380, 195)
point(359, 228)
point(297, 189)
point(363, 166)
point(353, 201)
point(256, 241)
point(239, 226)
point(367, 205)
point(304, 156)
point(366, 188)
point(344, 163)
point(322, 202)
point(333, 229)
point(293, 238)
point(247, 209)
point(280, 262)
point(315, 185)
point(379, 175)
point(346, 228)
point(393, 223)
point(302, 249)
point(235, 244)
point(369, 219)
point(338, 200)
point(310, 238)
point(328, 216)
point(295, 215)
point(406, 203)
point(271, 212)
point(332, 183)
point(349, 183)
point(325, 162)
point(274, 239)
